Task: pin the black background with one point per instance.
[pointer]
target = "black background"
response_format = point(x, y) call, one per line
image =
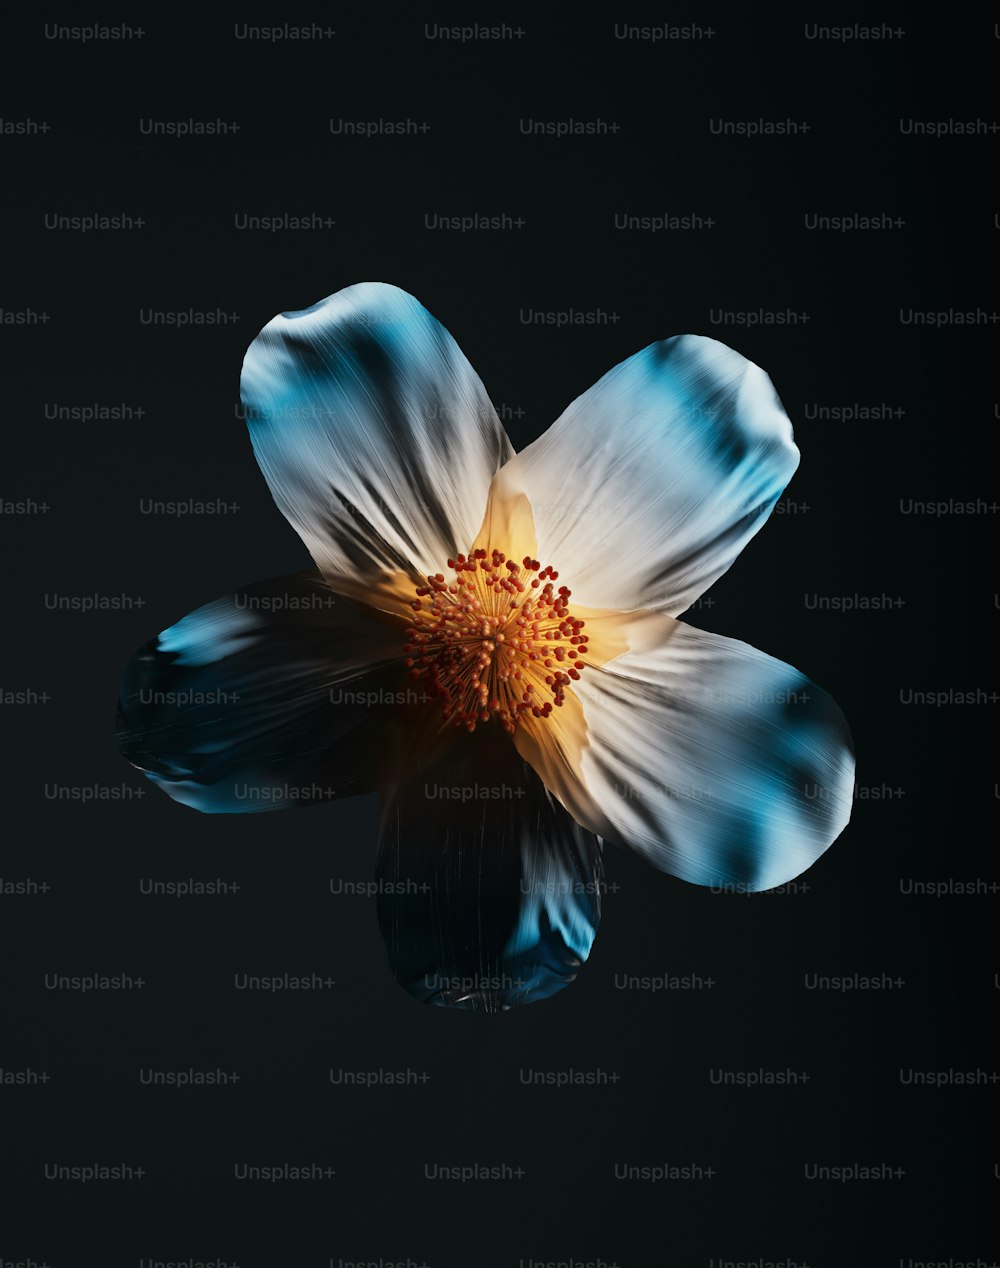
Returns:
point(843, 532)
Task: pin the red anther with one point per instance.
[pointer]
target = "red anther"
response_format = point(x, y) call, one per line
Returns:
point(574, 674)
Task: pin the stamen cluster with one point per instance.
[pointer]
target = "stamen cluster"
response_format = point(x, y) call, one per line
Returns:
point(496, 641)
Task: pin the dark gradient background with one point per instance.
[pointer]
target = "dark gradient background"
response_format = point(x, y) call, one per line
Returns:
point(842, 533)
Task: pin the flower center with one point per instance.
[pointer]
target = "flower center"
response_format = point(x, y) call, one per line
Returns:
point(497, 641)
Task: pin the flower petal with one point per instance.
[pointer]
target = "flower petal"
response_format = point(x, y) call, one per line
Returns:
point(489, 893)
point(269, 697)
point(650, 484)
point(374, 433)
point(718, 763)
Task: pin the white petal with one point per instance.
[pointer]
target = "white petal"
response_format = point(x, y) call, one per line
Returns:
point(718, 763)
point(374, 433)
point(650, 484)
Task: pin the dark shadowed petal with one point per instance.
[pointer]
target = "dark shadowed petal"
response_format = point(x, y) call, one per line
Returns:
point(270, 697)
point(716, 762)
point(650, 484)
point(373, 431)
point(489, 893)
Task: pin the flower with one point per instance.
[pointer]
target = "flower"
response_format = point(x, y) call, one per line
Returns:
point(489, 641)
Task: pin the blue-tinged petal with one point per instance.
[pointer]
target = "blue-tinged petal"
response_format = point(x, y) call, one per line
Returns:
point(489, 893)
point(273, 696)
point(374, 433)
point(716, 762)
point(650, 484)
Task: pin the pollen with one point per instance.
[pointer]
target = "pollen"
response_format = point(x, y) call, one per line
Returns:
point(495, 640)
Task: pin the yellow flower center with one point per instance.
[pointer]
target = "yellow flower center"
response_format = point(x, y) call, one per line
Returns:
point(497, 641)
